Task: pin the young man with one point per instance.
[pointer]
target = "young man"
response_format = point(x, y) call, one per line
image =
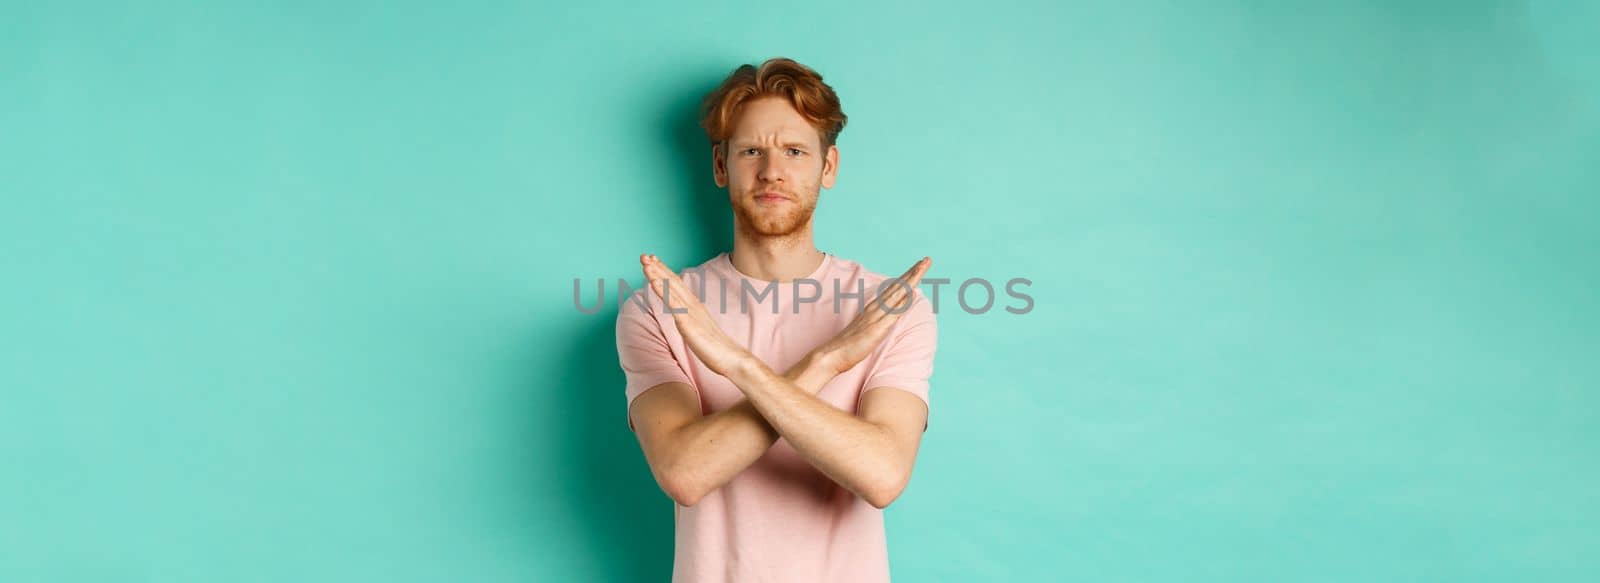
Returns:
point(779, 392)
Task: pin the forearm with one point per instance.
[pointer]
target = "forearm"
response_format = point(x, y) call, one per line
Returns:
point(858, 455)
point(715, 448)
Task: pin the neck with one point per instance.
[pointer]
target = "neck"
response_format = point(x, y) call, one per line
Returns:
point(775, 258)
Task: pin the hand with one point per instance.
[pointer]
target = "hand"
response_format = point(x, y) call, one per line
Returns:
point(872, 324)
point(720, 353)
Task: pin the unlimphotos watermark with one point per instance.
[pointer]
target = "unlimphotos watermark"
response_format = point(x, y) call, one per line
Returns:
point(748, 292)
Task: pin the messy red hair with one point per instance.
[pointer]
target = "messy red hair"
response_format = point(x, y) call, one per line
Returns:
point(779, 77)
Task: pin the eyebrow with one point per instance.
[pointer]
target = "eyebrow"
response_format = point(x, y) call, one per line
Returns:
point(801, 145)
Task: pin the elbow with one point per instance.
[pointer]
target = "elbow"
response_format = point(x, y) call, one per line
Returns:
point(684, 497)
point(884, 493)
point(682, 490)
point(882, 499)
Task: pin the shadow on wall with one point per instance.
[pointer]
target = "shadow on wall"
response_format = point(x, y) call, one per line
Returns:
point(628, 519)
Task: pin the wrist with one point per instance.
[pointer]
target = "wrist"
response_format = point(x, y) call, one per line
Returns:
point(821, 361)
point(815, 371)
point(746, 368)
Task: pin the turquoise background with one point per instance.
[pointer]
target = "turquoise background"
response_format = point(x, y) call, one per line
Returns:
point(288, 288)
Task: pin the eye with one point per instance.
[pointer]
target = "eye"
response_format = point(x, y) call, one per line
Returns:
point(796, 151)
point(749, 151)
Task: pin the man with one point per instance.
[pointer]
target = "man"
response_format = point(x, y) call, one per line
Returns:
point(779, 392)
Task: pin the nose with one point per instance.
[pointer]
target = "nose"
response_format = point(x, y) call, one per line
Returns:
point(770, 170)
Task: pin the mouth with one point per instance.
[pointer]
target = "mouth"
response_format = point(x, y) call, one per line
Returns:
point(771, 198)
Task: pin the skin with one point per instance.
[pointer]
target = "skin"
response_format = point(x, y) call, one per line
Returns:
point(773, 149)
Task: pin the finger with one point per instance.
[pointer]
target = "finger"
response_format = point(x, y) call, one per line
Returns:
point(648, 270)
point(674, 285)
point(914, 275)
point(660, 279)
point(652, 273)
point(895, 304)
point(680, 291)
point(921, 264)
point(900, 294)
point(668, 277)
point(912, 282)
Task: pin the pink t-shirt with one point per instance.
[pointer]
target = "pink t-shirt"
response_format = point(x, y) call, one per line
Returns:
point(780, 519)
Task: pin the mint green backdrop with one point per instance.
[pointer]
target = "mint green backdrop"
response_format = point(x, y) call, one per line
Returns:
point(288, 287)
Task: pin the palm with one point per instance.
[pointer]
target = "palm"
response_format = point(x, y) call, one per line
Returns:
point(699, 330)
point(864, 333)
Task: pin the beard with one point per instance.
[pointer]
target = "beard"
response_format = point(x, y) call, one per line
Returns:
point(780, 221)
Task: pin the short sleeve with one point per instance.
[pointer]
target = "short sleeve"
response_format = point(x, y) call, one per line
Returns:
point(643, 351)
point(907, 358)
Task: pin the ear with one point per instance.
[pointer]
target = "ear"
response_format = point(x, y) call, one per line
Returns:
point(830, 166)
point(719, 165)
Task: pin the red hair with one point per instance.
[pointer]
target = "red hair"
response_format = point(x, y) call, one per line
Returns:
point(779, 77)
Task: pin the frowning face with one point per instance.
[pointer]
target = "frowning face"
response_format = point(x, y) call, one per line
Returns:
point(774, 168)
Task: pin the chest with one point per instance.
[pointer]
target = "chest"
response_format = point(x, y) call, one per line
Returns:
point(780, 341)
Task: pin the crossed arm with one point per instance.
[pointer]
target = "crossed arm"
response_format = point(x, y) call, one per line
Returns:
point(870, 455)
